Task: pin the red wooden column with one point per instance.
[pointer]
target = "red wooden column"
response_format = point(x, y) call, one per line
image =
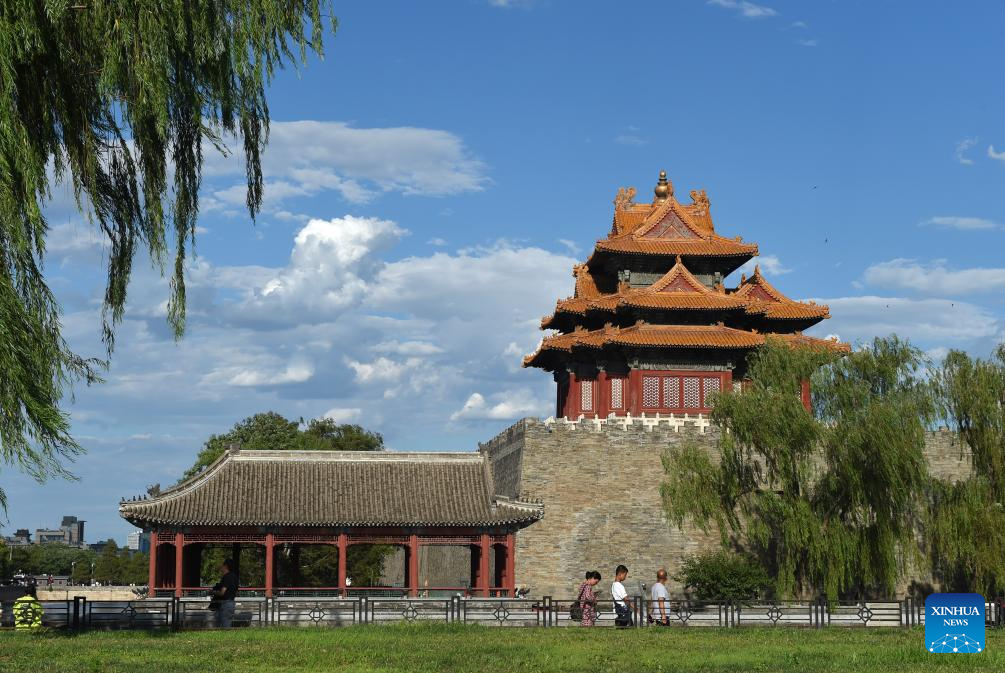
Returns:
point(413, 565)
point(602, 395)
point(509, 577)
point(179, 568)
point(805, 393)
point(343, 549)
point(270, 542)
point(633, 396)
point(483, 565)
point(153, 564)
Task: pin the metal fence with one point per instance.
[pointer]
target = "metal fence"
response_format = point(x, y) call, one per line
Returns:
point(192, 613)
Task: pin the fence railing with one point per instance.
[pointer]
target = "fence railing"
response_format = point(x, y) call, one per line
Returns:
point(191, 613)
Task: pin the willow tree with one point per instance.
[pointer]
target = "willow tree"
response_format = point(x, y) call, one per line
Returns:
point(830, 497)
point(966, 524)
point(117, 99)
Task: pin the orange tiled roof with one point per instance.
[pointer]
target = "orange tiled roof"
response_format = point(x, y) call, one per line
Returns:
point(672, 336)
point(669, 228)
point(586, 284)
point(765, 299)
point(677, 289)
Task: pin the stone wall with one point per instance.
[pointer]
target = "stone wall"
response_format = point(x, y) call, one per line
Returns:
point(599, 483)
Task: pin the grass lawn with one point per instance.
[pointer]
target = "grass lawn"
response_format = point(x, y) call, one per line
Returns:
point(479, 648)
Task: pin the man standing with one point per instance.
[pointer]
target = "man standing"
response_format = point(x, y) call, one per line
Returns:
point(622, 606)
point(658, 613)
point(225, 594)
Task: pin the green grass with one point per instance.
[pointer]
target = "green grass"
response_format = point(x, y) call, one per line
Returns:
point(472, 648)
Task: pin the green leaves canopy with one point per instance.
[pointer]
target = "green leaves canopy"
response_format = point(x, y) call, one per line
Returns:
point(115, 98)
point(830, 498)
point(270, 430)
point(966, 519)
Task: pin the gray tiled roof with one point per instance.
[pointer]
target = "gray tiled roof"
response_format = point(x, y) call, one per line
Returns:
point(335, 488)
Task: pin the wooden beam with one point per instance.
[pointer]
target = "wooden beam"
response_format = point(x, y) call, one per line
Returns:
point(413, 565)
point(510, 575)
point(270, 543)
point(179, 567)
point(484, 580)
point(152, 584)
point(343, 549)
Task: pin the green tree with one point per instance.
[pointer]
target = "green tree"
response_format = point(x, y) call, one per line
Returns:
point(720, 575)
point(116, 98)
point(135, 567)
point(966, 519)
point(830, 499)
point(301, 566)
point(270, 430)
point(108, 567)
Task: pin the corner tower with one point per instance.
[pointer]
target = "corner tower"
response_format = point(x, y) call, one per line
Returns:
point(651, 327)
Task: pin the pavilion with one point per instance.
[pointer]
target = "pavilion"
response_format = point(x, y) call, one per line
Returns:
point(341, 498)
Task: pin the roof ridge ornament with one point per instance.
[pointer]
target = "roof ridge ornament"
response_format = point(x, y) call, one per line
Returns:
point(664, 188)
point(625, 198)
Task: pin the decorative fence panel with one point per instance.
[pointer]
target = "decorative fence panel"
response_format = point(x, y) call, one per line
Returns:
point(194, 613)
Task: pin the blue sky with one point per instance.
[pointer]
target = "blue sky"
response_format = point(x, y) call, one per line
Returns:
point(432, 181)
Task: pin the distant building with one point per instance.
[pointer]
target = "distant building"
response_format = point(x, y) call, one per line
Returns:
point(21, 538)
point(70, 532)
point(74, 529)
point(49, 536)
point(138, 541)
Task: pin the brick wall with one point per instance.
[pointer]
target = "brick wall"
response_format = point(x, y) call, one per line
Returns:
point(600, 489)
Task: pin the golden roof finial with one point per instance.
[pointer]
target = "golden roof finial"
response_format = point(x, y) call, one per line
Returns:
point(678, 259)
point(757, 269)
point(664, 188)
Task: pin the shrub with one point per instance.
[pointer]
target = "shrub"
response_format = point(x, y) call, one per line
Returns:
point(723, 575)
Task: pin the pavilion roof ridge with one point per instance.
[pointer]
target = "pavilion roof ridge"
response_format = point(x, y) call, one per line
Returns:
point(320, 455)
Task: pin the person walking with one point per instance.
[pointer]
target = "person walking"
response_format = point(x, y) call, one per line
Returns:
point(622, 606)
point(27, 610)
point(225, 595)
point(658, 608)
point(588, 599)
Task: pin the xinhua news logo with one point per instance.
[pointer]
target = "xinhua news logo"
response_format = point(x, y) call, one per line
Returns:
point(954, 623)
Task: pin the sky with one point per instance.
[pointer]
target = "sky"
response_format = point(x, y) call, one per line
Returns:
point(431, 182)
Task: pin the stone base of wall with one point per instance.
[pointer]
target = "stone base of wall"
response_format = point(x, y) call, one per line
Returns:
point(599, 482)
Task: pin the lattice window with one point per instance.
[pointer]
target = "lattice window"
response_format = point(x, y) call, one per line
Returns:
point(692, 392)
point(711, 385)
point(617, 393)
point(586, 395)
point(650, 392)
point(671, 392)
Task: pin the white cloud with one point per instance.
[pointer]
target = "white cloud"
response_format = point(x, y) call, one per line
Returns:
point(307, 157)
point(74, 238)
point(344, 414)
point(770, 265)
point(511, 4)
point(510, 405)
point(807, 42)
point(920, 320)
point(962, 148)
point(962, 223)
point(935, 279)
point(570, 246)
point(632, 139)
point(331, 265)
point(407, 348)
point(1000, 156)
point(748, 10)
